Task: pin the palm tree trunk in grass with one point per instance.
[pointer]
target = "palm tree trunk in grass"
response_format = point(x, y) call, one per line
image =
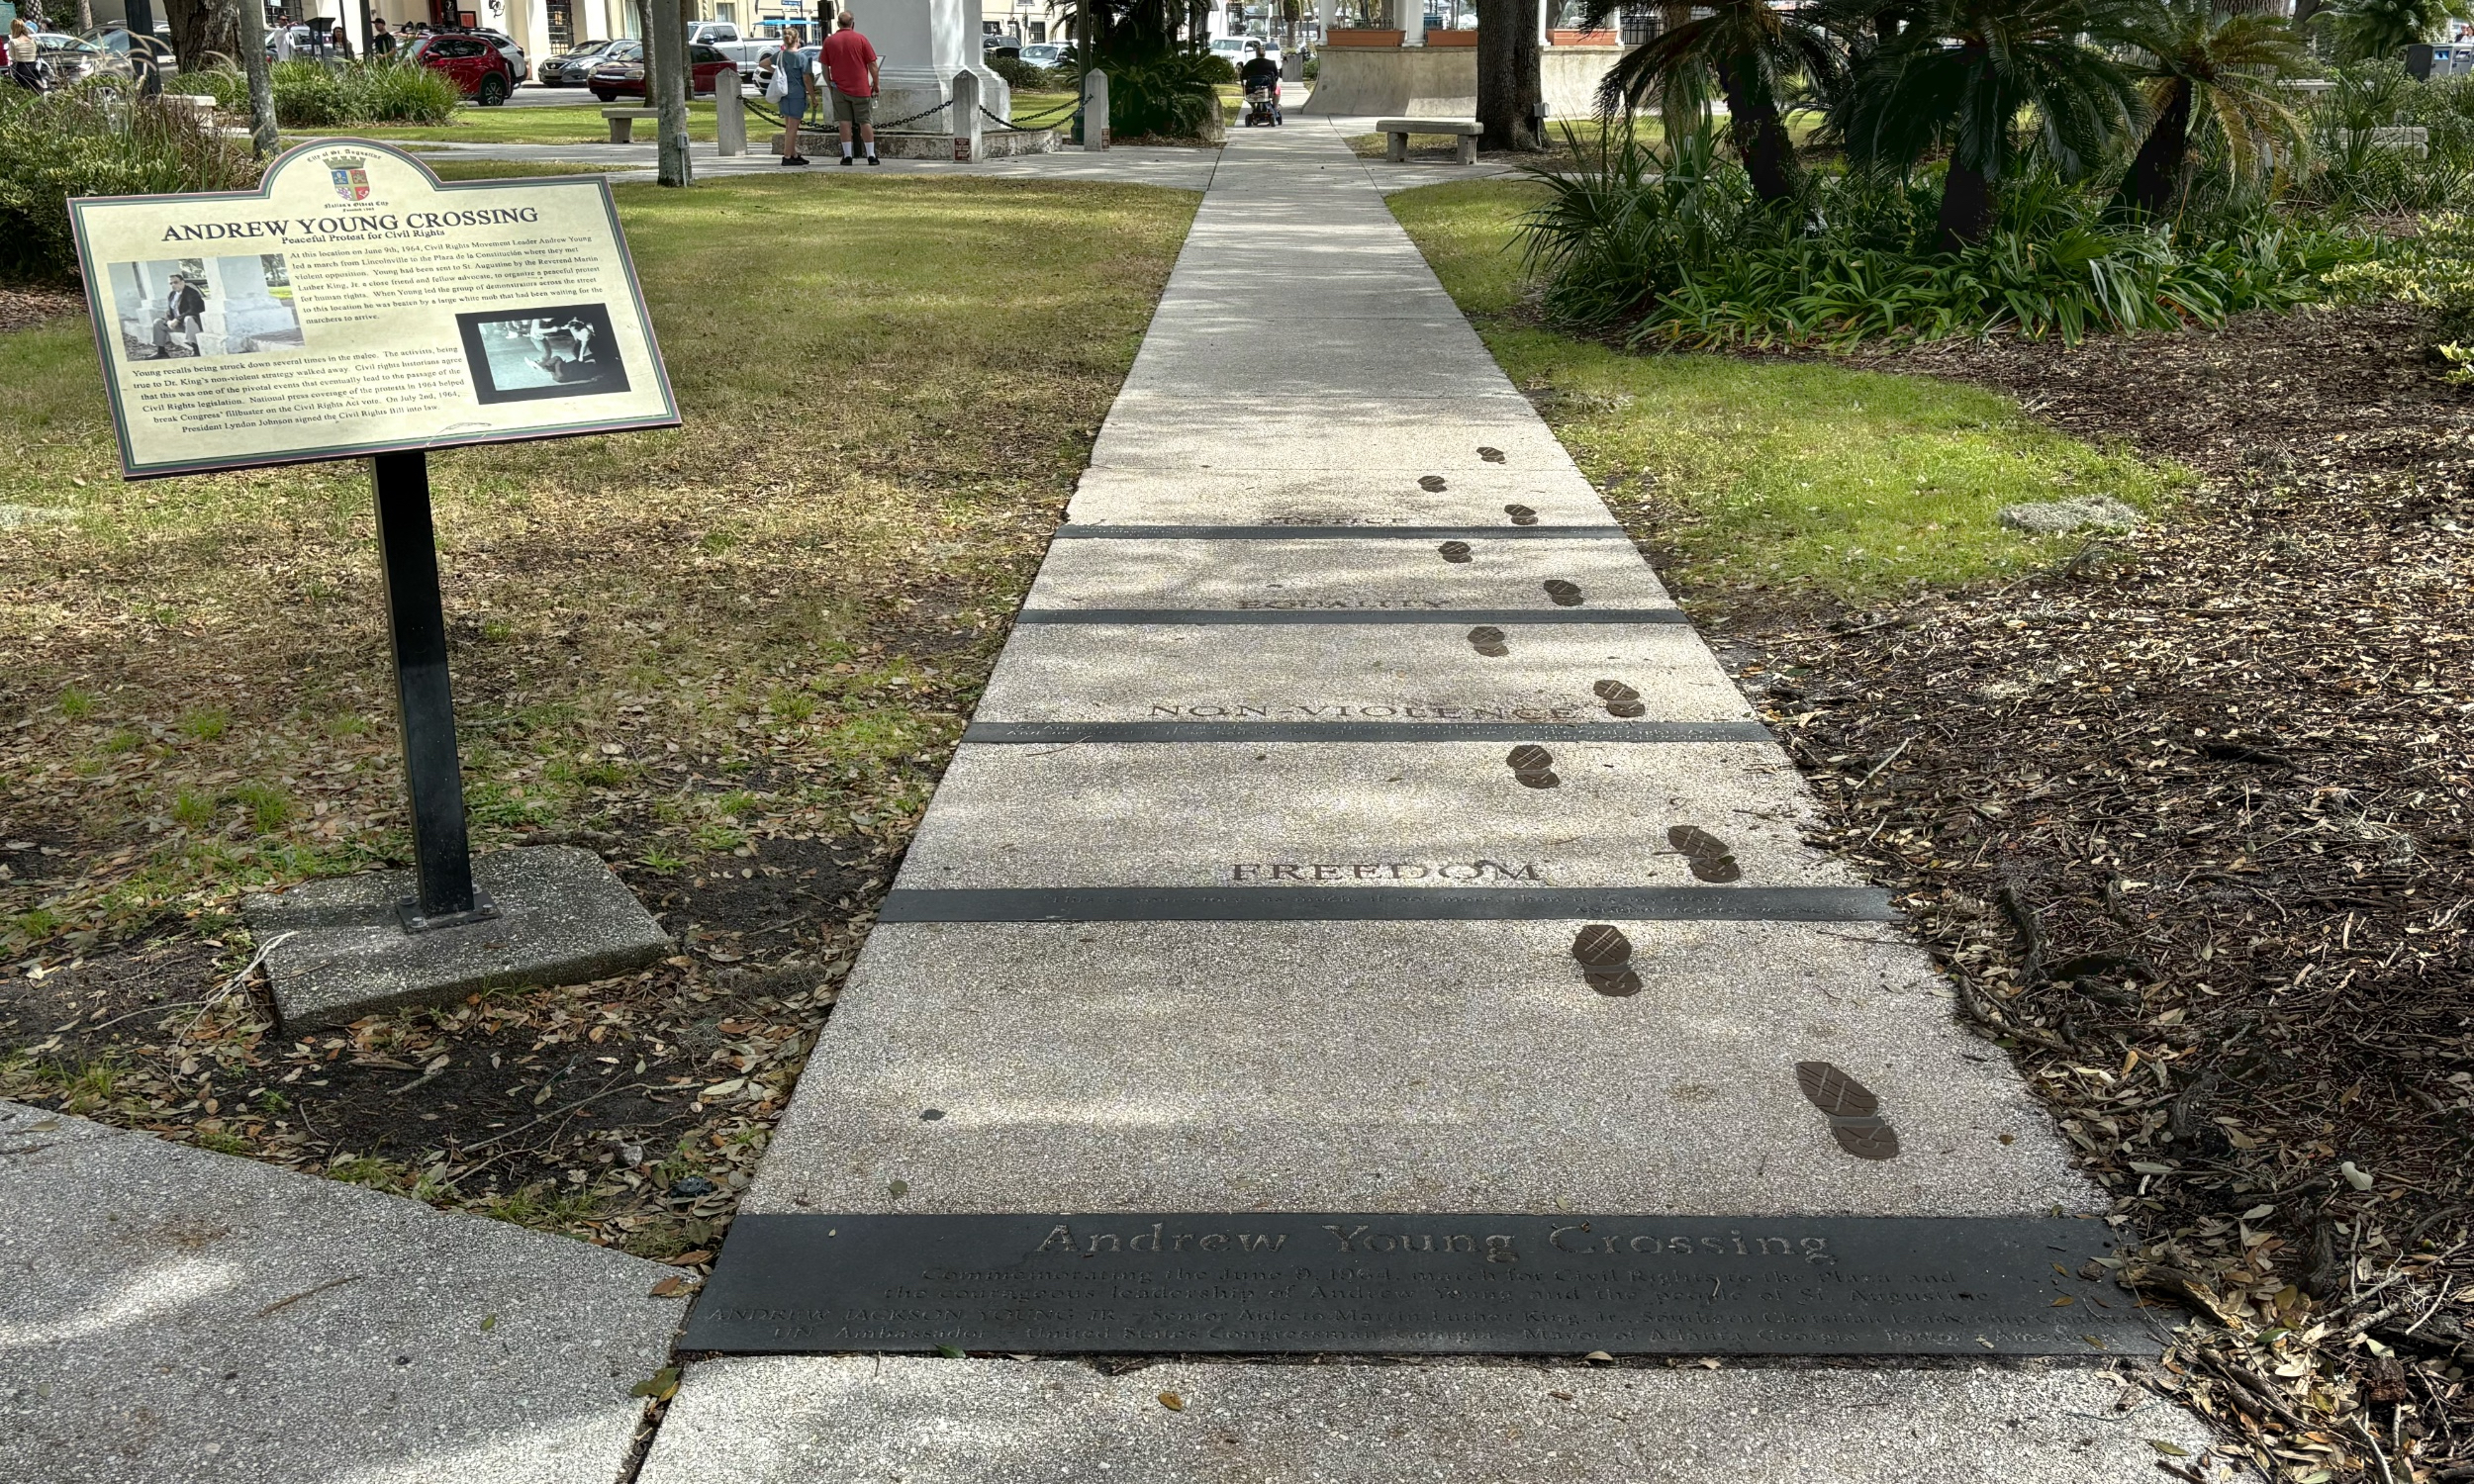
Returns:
point(1966, 208)
point(666, 80)
point(1511, 96)
point(2157, 173)
point(248, 37)
point(1760, 137)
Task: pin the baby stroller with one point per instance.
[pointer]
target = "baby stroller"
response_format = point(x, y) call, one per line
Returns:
point(1262, 103)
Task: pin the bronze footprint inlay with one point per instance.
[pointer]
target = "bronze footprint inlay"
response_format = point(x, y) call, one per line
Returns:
point(1453, 551)
point(1487, 640)
point(1622, 700)
point(1705, 853)
point(1533, 766)
point(1854, 1113)
point(1605, 958)
point(1490, 455)
point(1566, 594)
point(1521, 515)
point(1432, 483)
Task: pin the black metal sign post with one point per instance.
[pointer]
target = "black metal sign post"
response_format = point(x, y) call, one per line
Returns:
point(416, 625)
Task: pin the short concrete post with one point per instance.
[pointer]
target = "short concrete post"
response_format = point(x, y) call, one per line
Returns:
point(968, 148)
point(1094, 109)
point(729, 113)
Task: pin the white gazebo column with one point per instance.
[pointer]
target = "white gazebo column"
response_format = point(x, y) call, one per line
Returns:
point(1413, 22)
point(238, 308)
point(1322, 22)
point(923, 44)
point(1546, 23)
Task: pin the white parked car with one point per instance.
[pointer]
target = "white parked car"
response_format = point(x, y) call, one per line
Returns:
point(748, 52)
point(508, 48)
point(1044, 53)
point(1237, 50)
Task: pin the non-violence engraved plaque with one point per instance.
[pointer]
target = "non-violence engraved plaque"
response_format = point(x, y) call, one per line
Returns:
point(1388, 1283)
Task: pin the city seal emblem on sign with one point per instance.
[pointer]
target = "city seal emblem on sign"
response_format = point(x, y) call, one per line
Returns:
point(350, 177)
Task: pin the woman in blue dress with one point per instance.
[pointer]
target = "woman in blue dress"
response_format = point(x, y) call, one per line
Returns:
point(789, 90)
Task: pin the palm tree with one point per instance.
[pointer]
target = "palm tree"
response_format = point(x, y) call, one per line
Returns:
point(2367, 28)
point(1745, 50)
point(2209, 70)
point(1969, 75)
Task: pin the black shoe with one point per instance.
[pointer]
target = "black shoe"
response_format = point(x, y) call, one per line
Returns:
point(872, 159)
point(847, 160)
point(794, 159)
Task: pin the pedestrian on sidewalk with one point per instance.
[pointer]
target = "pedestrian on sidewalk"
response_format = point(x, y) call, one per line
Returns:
point(788, 92)
point(853, 66)
point(381, 42)
point(26, 58)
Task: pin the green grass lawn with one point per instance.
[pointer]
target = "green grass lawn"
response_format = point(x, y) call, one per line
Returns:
point(1770, 473)
point(557, 123)
point(736, 655)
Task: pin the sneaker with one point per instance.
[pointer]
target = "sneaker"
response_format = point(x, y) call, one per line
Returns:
point(847, 160)
point(794, 159)
point(872, 159)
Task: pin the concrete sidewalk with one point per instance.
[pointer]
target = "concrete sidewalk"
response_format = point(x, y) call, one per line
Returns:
point(1183, 169)
point(1243, 481)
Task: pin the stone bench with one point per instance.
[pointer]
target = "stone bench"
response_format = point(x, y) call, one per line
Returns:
point(1396, 133)
point(623, 122)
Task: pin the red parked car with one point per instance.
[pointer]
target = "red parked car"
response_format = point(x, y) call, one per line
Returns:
point(622, 70)
point(478, 70)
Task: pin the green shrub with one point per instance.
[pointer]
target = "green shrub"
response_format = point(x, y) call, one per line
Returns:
point(393, 93)
point(1174, 96)
point(310, 95)
point(1675, 249)
point(2433, 271)
point(1024, 77)
point(96, 141)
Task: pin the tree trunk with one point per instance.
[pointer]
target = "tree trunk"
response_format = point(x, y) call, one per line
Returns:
point(1759, 136)
point(1966, 208)
point(199, 27)
point(666, 79)
point(1510, 97)
point(85, 16)
point(248, 37)
point(2157, 173)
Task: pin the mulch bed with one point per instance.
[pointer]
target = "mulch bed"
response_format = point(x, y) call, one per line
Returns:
point(22, 305)
point(2186, 818)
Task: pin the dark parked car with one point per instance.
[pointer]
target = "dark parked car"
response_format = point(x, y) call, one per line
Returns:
point(575, 69)
point(622, 72)
point(478, 70)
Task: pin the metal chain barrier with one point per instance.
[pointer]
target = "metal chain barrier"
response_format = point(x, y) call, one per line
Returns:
point(1036, 121)
point(770, 117)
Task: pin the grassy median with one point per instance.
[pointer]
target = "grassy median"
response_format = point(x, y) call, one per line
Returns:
point(1788, 475)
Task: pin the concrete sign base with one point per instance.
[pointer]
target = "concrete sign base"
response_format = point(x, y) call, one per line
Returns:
point(562, 919)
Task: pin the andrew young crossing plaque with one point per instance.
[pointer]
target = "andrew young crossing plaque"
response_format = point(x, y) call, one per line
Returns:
point(1447, 1284)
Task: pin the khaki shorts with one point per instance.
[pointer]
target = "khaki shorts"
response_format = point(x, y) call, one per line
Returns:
point(857, 112)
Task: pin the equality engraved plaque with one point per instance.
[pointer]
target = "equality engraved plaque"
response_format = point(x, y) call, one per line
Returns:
point(355, 304)
point(1388, 1283)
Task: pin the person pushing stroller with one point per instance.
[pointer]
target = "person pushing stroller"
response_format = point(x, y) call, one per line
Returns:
point(1259, 77)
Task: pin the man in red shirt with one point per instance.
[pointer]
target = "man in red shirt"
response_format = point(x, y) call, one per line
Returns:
point(852, 66)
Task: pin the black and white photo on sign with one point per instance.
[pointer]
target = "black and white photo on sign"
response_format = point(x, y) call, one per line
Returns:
point(205, 306)
point(524, 355)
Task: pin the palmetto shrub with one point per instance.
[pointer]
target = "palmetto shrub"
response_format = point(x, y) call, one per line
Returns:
point(96, 141)
point(1676, 251)
point(1174, 94)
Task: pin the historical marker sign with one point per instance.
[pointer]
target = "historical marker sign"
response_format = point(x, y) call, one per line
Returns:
point(1393, 1283)
point(354, 304)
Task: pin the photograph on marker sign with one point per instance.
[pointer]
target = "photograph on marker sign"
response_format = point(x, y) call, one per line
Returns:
point(523, 355)
point(174, 307)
